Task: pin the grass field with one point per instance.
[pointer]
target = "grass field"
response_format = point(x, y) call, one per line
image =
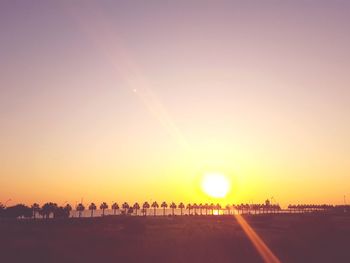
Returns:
point(293, 238)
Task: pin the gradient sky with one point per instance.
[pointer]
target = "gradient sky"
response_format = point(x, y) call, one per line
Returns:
point(135, 100)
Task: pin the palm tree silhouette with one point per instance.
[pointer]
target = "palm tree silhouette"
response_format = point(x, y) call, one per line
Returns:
point(195, 207)
point(92, 208)
point(130, 210)
point(145, 206)
point(115, 207)
point(200, 208)
point(206, 206)
point(218, 208)
point(173, 207)
point(68, 209)
point(189, 207)
point(211, 206)
point(181, 206)
point(136, 207)
point(48, 209)
point(154, 206)
point(125, 206)
point(103, 207)
point(164, 205)
point(80, 209)
point(35, 209)
point(228, 208)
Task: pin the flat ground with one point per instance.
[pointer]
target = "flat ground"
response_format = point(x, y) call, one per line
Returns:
point(293, 238)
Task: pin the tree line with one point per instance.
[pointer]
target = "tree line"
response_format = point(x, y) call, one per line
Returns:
point(52, 210)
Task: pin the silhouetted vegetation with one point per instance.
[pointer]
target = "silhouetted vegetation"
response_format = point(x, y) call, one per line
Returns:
point(154, 206)
point(48, 209)
point(145, 206)
point(52, 210)
point(115, 207)
point(164, 205)
point(80, 208)
point(18, 211)
point(103, 207)
point(92, 208)
point(136, 207)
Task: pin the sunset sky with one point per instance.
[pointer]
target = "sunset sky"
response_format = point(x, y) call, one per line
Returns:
point(137, 100)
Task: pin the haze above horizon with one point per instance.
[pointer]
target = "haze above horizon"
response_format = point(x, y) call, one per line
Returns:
point(138, 100)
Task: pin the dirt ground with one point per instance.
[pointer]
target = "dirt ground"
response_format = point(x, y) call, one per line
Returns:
point(292, 238)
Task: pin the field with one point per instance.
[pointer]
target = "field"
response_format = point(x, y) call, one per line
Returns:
point(293, 238)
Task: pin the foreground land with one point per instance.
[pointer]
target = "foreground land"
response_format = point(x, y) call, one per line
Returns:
point(293, 238)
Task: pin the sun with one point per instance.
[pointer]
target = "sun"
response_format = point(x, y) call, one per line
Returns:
point(215, 185)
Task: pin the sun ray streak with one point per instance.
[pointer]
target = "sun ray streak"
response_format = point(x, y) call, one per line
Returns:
point(98, 30)
point(267, 255)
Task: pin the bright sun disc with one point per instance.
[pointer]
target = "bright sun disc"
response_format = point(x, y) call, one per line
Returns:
point(215, 185)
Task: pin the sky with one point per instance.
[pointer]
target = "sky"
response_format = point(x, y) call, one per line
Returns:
point(137, 100)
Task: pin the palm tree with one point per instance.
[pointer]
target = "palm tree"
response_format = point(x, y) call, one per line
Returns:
point(145, 206)
point(115, 207)
point(80, 209)
point(155, 206)
point(234, 209)
point(228, 208)
point(35, 209)
point(241, 207)
point(206, 206)
point(92, 208)
point(136, 207)
point(48, 209)
point(200, 206)
point(173, 206)
point(211, 206)
point(130, 210)
point(181, 206)
point(268, 205)
point(68, 209)
point(103, 207)
point(195, 207)
point(218, 208)
point(164, 205)
point(189, 207)
point(254, 207)
point(125, 206)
